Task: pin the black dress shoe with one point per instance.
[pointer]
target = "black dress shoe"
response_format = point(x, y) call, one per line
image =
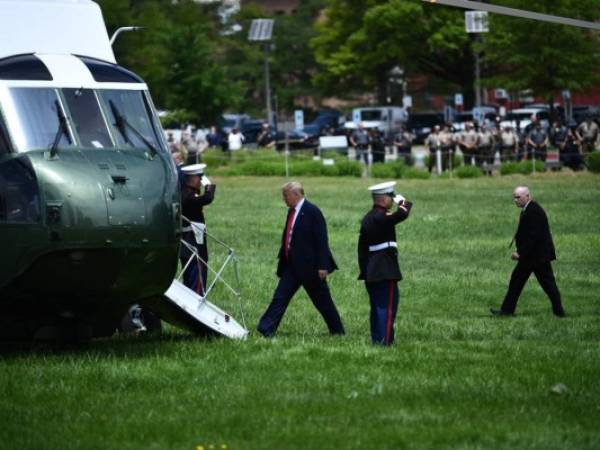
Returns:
point(499, 312)
point(560, 314)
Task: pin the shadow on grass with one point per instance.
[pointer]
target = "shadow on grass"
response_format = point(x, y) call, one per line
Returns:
point(119, 345)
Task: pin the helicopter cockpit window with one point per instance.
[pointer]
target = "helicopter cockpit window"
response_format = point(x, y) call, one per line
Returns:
point(19, 193)
point(31, 117)
point(87, 118)
point(130, 118)
point(4, 142)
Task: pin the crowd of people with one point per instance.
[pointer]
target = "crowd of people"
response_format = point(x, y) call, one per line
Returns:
point(191, 143)
point(483, 144)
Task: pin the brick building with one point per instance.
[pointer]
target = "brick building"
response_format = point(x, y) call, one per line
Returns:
point(275, 6)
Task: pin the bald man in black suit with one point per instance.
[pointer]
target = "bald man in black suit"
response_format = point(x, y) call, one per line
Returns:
point(535, 251)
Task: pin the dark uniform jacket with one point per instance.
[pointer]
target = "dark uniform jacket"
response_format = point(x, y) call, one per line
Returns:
point(379, 226)
point(309, 248)
point(191, 207)
point(533, 237)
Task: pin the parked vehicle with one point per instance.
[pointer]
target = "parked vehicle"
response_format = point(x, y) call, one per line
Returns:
point(329, 121)
point(250, 129)
point(387, 119)
point(580, 112)
point(230, 121)
point(484, 116)
point(421, 124)
point(519, 119)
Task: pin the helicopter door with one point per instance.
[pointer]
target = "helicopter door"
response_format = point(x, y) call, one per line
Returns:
point(125, 202)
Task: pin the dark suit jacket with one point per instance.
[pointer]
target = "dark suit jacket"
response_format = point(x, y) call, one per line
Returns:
point(309, 249)
point(533, 238)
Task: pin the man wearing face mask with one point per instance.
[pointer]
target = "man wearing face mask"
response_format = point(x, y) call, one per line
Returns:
point(193, 201)
point(378, 259)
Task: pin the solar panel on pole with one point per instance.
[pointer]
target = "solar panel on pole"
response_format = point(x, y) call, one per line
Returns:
point(261, 30)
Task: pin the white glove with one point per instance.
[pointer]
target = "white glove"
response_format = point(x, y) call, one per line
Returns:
point(398, 199)
point(205, 181)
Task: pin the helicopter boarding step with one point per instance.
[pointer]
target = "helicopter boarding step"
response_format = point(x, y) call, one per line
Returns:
point(209, 315)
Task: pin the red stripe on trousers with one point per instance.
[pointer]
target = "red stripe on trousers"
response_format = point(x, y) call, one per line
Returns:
point(388, 327)
point(200, 285)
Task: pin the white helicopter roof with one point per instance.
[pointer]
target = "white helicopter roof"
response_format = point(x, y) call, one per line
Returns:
point(53, 26)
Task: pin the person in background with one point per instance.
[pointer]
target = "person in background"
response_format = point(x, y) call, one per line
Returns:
point(212, 137)
point(509, 144)
point(378, 259)
point(377, 145)
point(191, 147)
point(467, 141)
point(447, 145)
point(570, 155)
point(558, 135)
point(304, 260)
point(235, 140)
point(433, 144)
point(537, 142)
point(267, 137)
point(359, 139)
point(587, 133)
point(178, 160)
point(485, 146)
point(403, 143)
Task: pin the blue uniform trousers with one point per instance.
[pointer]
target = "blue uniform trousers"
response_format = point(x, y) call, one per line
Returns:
point(286, 288)
point(192, 280)
point(194, 277)
point(384, 297)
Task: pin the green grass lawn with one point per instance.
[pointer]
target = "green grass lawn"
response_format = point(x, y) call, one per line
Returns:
point(455, 378)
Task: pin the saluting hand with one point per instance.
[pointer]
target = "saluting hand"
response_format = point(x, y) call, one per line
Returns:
point(323, 274)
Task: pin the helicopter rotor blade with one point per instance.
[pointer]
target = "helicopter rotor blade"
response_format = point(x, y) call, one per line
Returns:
point(476, 6)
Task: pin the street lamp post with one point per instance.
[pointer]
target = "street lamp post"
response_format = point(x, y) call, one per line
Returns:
point(476, 22)
point(261, 30)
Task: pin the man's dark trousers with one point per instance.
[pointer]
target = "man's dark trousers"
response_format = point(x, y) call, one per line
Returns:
point(545, 276)
point(317, 290)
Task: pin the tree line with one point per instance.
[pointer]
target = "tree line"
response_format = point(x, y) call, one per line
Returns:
point(197, 65)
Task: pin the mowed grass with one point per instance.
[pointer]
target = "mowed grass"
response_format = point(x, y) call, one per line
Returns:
point(456, 378)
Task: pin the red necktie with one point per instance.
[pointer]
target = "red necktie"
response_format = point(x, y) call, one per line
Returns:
point(288, 231)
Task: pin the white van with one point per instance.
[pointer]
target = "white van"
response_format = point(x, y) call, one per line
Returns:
point(388, 119)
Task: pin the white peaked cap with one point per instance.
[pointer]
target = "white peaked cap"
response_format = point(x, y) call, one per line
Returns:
point(383, 188)
point(194, 169)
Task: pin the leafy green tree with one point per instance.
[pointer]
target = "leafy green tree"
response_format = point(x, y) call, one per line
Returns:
point(294, 62)
point(359, 42)
point(291, 60)
point(545, 57)
point(177, 53)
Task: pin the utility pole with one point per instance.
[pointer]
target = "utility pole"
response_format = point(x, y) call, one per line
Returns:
point(261, 30)
point(476, 22)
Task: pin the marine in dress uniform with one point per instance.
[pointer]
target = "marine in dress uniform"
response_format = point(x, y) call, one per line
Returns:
point(192, 204)
point(378, 259)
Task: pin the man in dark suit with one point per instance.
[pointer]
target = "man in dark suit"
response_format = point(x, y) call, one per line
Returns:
point(304, 260)
point(535, 251)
